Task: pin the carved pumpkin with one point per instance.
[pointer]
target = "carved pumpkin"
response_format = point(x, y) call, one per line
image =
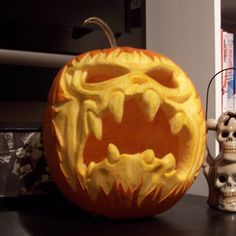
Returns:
point(124, 132)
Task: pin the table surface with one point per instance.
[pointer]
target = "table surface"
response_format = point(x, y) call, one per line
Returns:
point(55, 216)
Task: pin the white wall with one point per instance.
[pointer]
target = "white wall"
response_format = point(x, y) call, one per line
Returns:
point(185, 31)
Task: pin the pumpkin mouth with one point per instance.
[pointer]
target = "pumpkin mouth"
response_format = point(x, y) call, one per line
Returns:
point(137, 133)
point(135, 151)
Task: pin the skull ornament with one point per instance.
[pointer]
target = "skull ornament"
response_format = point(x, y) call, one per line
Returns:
point(226, 184)
point(220, 171)
point(124, 132)
point(226, 134)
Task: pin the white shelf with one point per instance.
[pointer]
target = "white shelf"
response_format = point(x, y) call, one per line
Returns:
point(39, 59)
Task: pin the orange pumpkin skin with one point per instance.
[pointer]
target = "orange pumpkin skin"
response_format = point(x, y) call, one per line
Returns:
point(124, 132)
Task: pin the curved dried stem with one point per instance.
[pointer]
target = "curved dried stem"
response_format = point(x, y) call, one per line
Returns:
point(104, 27)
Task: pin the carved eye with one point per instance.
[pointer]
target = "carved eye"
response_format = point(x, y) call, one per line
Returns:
point(234, 134)
point(164, 77)
point(222, 178)
point(99, 73)
point(224, 134)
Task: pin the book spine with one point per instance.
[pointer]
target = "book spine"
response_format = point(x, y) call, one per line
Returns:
point(227, 76)
point(230, 73)
point(234, 95)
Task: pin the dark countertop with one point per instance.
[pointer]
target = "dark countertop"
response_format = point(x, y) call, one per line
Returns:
point(44, 216)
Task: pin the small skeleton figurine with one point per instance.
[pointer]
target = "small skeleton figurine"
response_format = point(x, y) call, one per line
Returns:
point(220, 172)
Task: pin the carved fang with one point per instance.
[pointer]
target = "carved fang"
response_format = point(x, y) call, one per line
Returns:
point(113, 153)
point(95, 125)
point(151, 104)
point(116, 105)
point(90, 168)
point(176, 123)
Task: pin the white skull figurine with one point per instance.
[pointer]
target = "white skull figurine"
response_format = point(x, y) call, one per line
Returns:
point(226, 135)
point(220, 171)
point(225, 183)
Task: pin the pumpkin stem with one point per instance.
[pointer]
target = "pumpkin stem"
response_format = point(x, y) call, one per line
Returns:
point(104, 27)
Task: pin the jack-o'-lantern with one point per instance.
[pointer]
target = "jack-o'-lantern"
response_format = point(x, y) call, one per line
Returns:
point(124, 132)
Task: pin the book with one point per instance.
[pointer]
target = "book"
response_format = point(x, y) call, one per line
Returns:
point(228, 75)
point(234, 95)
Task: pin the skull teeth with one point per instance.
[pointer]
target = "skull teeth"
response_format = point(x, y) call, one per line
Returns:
point(116, 105)
point(230, 150)
point(95, 125)
point(229, 194)
point(176, 123)
point(150, 104)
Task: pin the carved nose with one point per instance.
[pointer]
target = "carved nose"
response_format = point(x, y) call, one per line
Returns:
point(228, 184)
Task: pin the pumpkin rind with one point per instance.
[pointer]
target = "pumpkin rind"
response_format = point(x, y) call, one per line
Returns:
point(124, 132)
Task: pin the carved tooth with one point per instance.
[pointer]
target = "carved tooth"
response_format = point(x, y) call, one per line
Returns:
point(116, 105)
point(95, 125)
point(151, 104)
point(113, 153)
point(176, 123)
point(148, 156)
point(169, 161)
point(90, 168)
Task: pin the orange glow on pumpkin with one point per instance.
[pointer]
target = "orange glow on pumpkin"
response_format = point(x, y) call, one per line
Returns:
point(124, 132)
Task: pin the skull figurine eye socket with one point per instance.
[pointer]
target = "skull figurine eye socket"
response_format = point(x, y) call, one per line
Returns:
point(224, 134)
point(222, 178)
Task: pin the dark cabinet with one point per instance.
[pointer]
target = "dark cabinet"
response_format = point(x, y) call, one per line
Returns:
point(56, 26)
